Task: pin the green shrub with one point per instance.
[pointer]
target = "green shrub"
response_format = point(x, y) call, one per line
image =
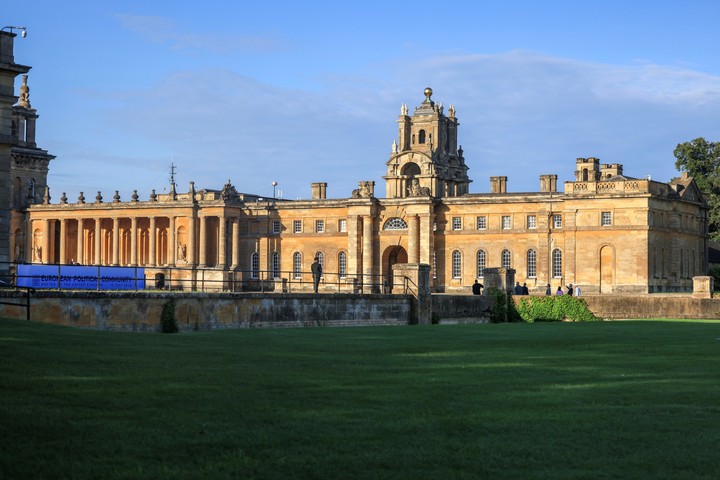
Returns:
point(503, 309)
point(554, 309)
point(168, 323)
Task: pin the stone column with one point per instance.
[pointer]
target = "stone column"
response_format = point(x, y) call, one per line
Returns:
point(80, 257)
point(151, 243)
point(413, 239)
point(133, 241)
point(222, 242)
point(172, 241)
point(98, 243)
point(116, 242)
point(46, 241)
point(203, 241)
point(191, 258)
point(63, 240)
point(235, 242)
point(368, 279)
point(353, 246)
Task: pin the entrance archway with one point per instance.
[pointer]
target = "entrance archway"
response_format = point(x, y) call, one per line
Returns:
point(392, 255)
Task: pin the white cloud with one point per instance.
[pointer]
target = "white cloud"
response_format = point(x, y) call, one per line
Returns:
point(163, 30)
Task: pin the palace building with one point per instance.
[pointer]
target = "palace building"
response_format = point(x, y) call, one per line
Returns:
point(604, 231)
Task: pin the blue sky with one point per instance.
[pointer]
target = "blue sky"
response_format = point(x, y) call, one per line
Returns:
point(301, 92)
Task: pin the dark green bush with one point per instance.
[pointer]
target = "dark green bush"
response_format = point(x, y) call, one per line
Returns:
point(503, 309)
point(168, 323)
point(554, 309)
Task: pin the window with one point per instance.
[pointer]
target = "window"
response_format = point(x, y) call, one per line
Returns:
point(321, 260)
point(557, 263)
point(505, 259)
point(506, 222)
point(254, 265)
point(605, 219)
point(342, 265)
point(481, 223)
point(481, 263)
point(297, 226)
point(297, 265)
point(421, 136)
point(531, 221)
point(531, 263)
point(557, 221)
point(456, 223)
point(319, 226)
point(456, 264)
point(342, 225)
point(276, 227)
point(276, 265)
point(434, 264)
point(396, 224)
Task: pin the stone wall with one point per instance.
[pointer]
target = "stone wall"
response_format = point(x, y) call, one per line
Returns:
point(462, 308)
point(140, 311)
point(653, 306)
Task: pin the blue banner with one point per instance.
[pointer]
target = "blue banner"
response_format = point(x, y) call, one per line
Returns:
point(80, 277)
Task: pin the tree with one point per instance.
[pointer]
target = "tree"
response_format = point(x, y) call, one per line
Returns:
point(701, 159)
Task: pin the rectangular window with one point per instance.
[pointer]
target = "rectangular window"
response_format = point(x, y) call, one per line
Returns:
point(457, 223)
point(481, 223)
point(276, 227)
point(557, 221)
point(297, 226)
point(506, 222)
point(342, 225)
point(605, 219)
point(319, 226)
point(531, 221)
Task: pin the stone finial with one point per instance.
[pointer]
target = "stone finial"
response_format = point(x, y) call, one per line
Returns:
point(116, 197)
point(46, 196)
point(135, 196)
point(451, 111)
point(460, 152)
point(153, 196)
point(98, 198)
point(394, 146)
point(81, 198)
point(24, 100)
point(192, 191)
point(63, 199)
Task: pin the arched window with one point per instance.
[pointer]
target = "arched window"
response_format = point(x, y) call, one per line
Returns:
point(254, 265)
point(321, 260)
point(395, 224)
point(557, 263)
point(342, 265)
point(531, 263)
point(456, 264)
point(421, 136)
point(297, 265)
point(481, 263)
point(506, 259)
point(585, 175)
point(276, 265)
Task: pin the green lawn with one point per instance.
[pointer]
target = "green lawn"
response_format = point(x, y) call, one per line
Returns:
point(597, 400)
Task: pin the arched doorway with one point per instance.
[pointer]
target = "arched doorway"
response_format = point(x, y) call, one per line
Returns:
point(607, 269)
point(392, 255)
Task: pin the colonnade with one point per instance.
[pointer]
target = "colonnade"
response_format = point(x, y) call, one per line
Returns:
point(193, 241)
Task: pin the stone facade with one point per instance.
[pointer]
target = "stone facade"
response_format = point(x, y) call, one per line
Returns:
point(606, 232)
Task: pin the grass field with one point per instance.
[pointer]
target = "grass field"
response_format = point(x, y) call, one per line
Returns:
point(598, 400)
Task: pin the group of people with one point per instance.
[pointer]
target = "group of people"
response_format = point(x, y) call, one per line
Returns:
point(570, 290)
point(521, 289)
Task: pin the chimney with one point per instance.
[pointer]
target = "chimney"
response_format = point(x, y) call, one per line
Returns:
point(319, 190)
point(548, 183)
point(498, 184)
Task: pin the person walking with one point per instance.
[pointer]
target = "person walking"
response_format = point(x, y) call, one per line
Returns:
point(559, 291)
point(316, 269)
point(548, 290)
